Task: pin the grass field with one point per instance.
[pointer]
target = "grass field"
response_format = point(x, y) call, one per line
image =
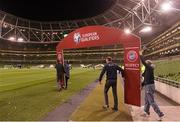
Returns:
point(91, 108)
point(169, 69)
point(30, 94)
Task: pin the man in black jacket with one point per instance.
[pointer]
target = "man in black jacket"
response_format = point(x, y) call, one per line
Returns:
point(60, 74)
point(149, 87)
point(111, 81)
point(67, 70)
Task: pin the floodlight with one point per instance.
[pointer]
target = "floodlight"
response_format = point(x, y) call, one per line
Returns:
point(65, 35)
point(5, 25)
point(127, 31)
point(146, 29)
point(20, 39)
point(11, 38)
point(166, 6)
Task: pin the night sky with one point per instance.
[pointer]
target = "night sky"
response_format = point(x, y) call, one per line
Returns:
point(54, 10)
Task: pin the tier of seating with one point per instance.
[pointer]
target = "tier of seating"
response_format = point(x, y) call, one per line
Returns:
point(165, 45)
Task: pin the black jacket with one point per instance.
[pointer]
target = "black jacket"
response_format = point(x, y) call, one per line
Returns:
point(67, 69)
point(111, 71)
point(148, 73)
point(60, 71)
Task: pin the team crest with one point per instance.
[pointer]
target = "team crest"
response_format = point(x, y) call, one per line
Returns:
point(132, 56)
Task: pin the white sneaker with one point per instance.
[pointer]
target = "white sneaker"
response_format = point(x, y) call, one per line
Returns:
point(159, 118)
point(105, 106)
point(145, 114)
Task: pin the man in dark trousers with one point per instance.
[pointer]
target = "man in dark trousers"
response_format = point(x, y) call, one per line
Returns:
point(149, 87)
point(60, 74)
point(111, 81)
point(67, 70)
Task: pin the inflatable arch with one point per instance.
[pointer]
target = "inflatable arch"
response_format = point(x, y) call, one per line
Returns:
point(92, 36)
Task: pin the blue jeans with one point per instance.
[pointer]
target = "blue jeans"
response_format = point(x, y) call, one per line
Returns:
point(149, 99)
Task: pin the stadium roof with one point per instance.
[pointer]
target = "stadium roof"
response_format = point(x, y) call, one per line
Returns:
point(55, 10)
point(31, 20)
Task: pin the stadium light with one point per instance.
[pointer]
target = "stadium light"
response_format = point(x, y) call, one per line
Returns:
point(5, 25)
point(146, 29)
point(20, 40)
point(11, 38)
point(65, 35)
point(166, 6)
point(127, 31)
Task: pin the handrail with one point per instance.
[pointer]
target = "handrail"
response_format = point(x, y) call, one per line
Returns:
point(168, 81)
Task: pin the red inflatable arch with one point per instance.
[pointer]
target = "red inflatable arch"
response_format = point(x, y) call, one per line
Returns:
point(92, 36)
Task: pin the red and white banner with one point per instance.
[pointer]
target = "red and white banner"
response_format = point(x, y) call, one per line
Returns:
point(132, 75)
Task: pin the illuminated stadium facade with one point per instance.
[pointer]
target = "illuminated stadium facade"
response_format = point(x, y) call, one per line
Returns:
point(34, 42)
point(165, 45)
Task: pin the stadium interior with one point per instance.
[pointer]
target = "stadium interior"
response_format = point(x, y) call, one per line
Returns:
point(34, 42)
point(28, 42)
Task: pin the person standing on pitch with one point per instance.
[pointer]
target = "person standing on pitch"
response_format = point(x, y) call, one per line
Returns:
point(111, 81)
point(149, 87)
point(60, 74)
point(67, 70)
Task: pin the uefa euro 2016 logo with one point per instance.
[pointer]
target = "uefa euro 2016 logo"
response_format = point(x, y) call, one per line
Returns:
point(132, 56)
point(77, 37)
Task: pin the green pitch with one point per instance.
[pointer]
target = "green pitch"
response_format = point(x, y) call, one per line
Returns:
point(30, 94)
point(169, 69)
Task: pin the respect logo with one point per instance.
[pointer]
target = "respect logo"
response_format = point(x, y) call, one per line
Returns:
point(132, 56)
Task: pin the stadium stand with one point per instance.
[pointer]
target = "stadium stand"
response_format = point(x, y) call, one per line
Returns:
point(34, 42)
point(165, 45)
point(27, 53)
